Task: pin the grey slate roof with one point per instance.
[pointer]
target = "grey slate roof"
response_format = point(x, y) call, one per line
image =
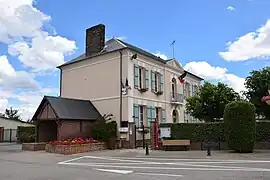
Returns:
point(114, 45)
point(73, 109)
point(117, 44)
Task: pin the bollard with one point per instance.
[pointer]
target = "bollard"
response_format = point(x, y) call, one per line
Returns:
point(208, 149)
point(146, 149)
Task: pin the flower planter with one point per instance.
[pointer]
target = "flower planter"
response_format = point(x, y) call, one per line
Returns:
point(74, 148)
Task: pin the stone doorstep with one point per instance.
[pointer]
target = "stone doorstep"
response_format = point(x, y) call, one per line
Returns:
point(73, 149)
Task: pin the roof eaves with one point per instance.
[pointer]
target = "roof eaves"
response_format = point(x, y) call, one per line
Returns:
point(88, 57)
point(194, 75)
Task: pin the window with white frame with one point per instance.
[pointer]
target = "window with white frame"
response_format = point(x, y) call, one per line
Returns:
point(141, 78)
point(157, 82)
point(139, 114)
point(154, 113)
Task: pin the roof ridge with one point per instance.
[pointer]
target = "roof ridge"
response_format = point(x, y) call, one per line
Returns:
point(59, 97)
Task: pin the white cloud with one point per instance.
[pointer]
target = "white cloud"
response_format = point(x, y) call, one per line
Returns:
point(11, 79)
point(122, 38)
point(26, 29)
point(29, 101)
point(20, 19)
point(161, 55)
point(210, 73)
point(44, 52)
point(249, 46)
point(231, 8)
point(30, 37)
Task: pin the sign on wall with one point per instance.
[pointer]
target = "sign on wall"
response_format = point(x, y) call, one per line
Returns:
point(165, 132)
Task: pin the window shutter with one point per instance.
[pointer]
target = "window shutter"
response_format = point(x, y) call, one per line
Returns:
point(149, 117)
point(152, 80)
point(161, 82)
point(136, 76)
point(184, 90)
point(163, 115)
point(146, 77)
point(136, 114)
point(153, 113)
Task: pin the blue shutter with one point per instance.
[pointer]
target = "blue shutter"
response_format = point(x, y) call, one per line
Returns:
point(163, 115)
point(149, 117)
point(161, 82)
point(136, 76)
point(152, 80)
point(153, 113)
point(184, 90)
point(146, 76)
point(136, 114)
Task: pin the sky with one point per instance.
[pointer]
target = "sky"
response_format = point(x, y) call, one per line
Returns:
point(221, 41)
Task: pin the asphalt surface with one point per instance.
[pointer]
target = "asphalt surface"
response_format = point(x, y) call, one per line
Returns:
point(133, 165)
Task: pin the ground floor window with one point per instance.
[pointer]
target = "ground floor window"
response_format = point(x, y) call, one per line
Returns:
point(144, 115)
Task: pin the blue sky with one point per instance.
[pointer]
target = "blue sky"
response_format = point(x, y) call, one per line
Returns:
point(38, 36)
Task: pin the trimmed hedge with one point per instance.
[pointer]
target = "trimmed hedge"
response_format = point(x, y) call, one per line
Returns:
point(214, 131)
point(262, 131)
point(240, 126)
point(26, 134)
point(197, 132)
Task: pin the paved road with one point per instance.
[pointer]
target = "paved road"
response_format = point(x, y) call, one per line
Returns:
point(132, 164)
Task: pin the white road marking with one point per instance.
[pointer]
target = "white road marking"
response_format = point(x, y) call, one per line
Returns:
point(206, 160)
point(160, 163)
point(70, 160)
point(155, 174)
point(172, 168)
point(115, 171)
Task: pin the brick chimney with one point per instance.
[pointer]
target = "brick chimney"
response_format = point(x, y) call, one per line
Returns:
point(95, 39)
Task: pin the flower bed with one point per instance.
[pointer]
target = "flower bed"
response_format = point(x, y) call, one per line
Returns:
point(73, 146)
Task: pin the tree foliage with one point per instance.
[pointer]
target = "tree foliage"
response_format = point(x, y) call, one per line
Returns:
point(13, 114)
point(210, 100)
point(257, 85)
point(240, 126)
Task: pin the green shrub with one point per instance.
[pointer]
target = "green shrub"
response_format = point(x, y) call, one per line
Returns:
point(240, 126)
point(197, 132)
point(262, 131)
point(26, 134)
point(105, 131)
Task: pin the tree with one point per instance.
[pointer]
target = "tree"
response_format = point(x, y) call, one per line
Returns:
point(13, 114)
point(210, 100)
point(257, 85)
point(240, 126)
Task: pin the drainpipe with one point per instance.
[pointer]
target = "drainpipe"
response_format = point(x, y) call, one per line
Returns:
point(121, 95)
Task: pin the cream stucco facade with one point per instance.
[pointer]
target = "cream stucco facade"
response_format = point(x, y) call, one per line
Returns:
point(98, 79)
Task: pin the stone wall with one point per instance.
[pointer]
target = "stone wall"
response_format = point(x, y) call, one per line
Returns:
point(33, 146)
point(73, 149)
